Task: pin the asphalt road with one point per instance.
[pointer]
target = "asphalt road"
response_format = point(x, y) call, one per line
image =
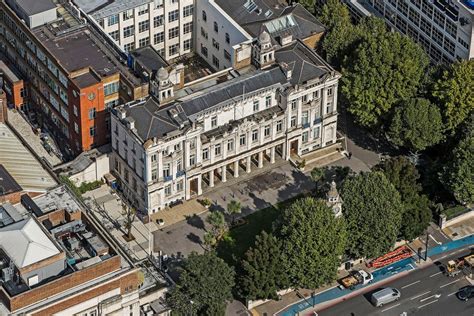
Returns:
point(425, 291)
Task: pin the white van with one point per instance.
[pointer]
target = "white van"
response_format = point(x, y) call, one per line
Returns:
point(385, 296)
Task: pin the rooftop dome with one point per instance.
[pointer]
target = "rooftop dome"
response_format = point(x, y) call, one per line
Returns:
point(162, 74)
point(264, 37)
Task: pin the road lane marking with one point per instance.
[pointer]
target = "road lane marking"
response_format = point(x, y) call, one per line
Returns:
point(427, 298)
point(389, 308)
point(449, 283)
point(421, 306)
point(419, 295)
point(405, 286)
point(437, 273)
point(452, 293)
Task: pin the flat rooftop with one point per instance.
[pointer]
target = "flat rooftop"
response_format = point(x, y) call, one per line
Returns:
point(8, 71)
point(8, 185)
point(103, 8)
point(35, 6)
point(21, 164)
point(275, 16)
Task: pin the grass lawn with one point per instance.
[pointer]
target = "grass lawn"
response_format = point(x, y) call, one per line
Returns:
point(237, 240)
point(455, 211)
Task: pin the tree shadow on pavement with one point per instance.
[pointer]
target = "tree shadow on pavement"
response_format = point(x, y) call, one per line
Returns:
point(195, 221)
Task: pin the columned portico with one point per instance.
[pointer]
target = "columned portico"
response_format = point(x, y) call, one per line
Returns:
point(224, 173)
point(236, 169)
point(211, 178)
point(260, 159)
point(249, 164)
point(272, 155)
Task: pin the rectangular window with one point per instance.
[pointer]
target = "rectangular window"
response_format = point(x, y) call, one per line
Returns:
point(215, 61)
point(128, 31)
point(179, 186)
point(159, 37)
point(256, 104)
point(328, 108)
point(279, 126)
point(111, 88)
point(304, 118)
point(329, 91)
point(173, 15)
point(158, 4)
point(293, 104)
point(227, 38)
point(154, 174)
point(217, 149)
point(268, 101)
point(255, 135)
point(112, 20)
point(230, 145)
point(173, 49)
point(168, 190)
point(127, 14)
point(143, 26)
point(242, 140)
point(188, 27)
point(192, 160)
point(166, 170)
point(128, 47)
point(215, 44)
point(158, 20)
point(92, 114)
point(188, 10)
point(92, 131)
point(316, 132)
point(216, 27)
point(179, 165)
point(293, 121)
point(214, 121)
point(188, 44)
point(203, 33)
point(266, 131)
point(304, 137)
point(226, 55)
point(114, 35)
point(204, 50)
point(143, 9)
point(205, 154)
point(144, 42)
point(173, 32)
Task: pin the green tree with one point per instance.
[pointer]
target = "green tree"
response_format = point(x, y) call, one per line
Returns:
point(234, 208)
point(373, 209)
point(313, 242)
point(263, 273)
point(217, 221)
point(416, 125)
point(416, 207)
point(455, 94)
point(458, 175)
point(334, 13)
point(203, 287)
point(309, 5)
point(385, 69)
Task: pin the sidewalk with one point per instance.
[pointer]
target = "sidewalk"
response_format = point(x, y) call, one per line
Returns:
point(326, 295)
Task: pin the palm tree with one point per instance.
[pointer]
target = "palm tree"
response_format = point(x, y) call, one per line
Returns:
point(233, 208)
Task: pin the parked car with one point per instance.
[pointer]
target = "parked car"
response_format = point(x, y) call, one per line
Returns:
point(466, 293)
point(385, 296)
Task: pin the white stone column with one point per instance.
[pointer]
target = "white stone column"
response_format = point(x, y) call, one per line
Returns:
point(188, 189)
point(236, 169)
point(224, 173)
point(260, 159)
point(272, 154)
point(249, 164)
point(199, 188)
point(211, 178)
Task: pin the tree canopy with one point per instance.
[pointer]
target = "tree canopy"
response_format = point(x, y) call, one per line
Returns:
point(454, 93)
point(458, 175)
point(416, 125)
point(416, 207)
point(263, 272)
point(373, 210)
point(204, 286)
point(385, 69)
point(313, 241)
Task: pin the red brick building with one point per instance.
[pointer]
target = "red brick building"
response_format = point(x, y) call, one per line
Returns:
point(14, 87)
point(74, 73)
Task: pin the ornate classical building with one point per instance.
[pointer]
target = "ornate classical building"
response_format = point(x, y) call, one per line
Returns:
point(183, 141)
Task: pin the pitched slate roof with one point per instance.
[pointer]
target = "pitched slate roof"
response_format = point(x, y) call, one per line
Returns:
point(304, 63)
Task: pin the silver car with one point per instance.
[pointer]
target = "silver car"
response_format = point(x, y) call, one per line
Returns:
point(385, 296)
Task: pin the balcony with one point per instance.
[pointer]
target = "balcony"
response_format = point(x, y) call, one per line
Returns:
point(305, 125)
point(317, 121)
point(167, 178)
point(180, 173)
